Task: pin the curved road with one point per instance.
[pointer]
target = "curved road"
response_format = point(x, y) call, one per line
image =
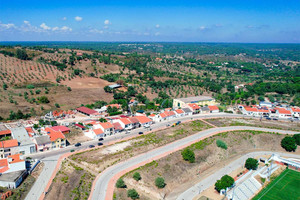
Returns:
point(103, 186)
point(196, 189)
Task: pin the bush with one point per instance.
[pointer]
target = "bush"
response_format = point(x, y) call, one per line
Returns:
point(289, 144)
point(37, 91)
point(251, 163)
point(69, 89)
point(57, 105)
point(120, 183)
point(188, 155)
point(43, 99)
point(297, 138)
point(132, 193)
point(221, 144)
point(30, 86)
point(160, 182)
point(225, 182)
point(136, 176)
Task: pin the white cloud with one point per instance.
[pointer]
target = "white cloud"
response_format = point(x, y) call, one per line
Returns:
point(77, 18)
point(96, 31)
point(157, 33)
point(65, 28)
point(146, 33)
point(44, 26)
point(6, 26)
point(106, 22)
point(55, 28)
point(157, 26)
point(64, 18)
point(26, 22)
point(202, 27)
point(105, 27)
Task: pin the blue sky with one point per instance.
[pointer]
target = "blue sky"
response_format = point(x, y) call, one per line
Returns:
point(262, 21)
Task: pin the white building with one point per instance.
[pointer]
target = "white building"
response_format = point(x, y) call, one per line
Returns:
point(26, 146)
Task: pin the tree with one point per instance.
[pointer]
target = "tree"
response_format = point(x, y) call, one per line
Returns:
point(289, 143)
point(120, 183)
point(221, 144)
point(108, 89)
point(136, 176)
point(297, 138)
point(160, 182)
point(251, 163)
point(69, 89)
point(4, 86)
point(132, 193)
point(43, 99)
point(57, 105)
point(225, 182)
point(188, 155)
point(21, 54)
point(102, 120)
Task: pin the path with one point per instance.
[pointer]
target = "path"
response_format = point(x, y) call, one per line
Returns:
point(103, 186)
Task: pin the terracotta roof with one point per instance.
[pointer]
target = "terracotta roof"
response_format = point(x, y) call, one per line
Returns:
point(60, 128)
point(5, 132)
point(3, 165)
point(283, 111)
point(213, 108)
point(143, 119)
point(117, 126)
point(91, 122)
point(263, 110)
point(194, 106)
point(163, 115)
point(106, 125)
point(86, 110)
point(54, 135)
point(152, 115)
point(131, 101)
point(170, 113)
point(133, 120)
point(9, 143)
point(29, 130)
point(179, 111)
point(296, 109)
point(98, 131)
point(125, 121)
point(250, 109)
point(80, 126)
point(15, 158)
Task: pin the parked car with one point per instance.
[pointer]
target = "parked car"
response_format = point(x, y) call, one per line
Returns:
point(100, 139)
point(275, 119)
point(178, 122)
point(78, 144)
point(140, 133)
point(100, 143)
point(72, 150)
point(146, 125)
point(91, 146)
point(268, 118)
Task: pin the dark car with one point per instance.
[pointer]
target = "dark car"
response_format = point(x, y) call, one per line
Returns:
point(275, 119)
point(77, 144)
point(91, 146)
point(140, 133)
point(100, 139)
point(100, 144)
point(268, 118)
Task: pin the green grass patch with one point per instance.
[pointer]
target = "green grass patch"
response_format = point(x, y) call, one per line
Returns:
point(284, 187)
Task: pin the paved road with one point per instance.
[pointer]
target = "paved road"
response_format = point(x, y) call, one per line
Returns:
point(50, 157)
point(103, 190)
point(204, 184)
point(41, 182)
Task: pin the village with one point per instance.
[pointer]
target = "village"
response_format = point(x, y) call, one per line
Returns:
point(21, 139)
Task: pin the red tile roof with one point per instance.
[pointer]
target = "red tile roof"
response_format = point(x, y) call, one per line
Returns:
point(163, 115)
point(250, 109)
point(98, 131)
point(80, 126)
point(15, 158)
point(194, 106)
point(133, 120)
point(125, 121)
point(152, 115)
point(296, 109)
point(170, 113)
point(86, 110)
point(143, 119)
point(60, 128)
point(106, 125)
point(5, 132)
point(9, 143)
point(179, 111)
point(29, 130)
point(213, 108)
point(283, 111)
point(117, 126)
point(54, 135)
point(3, 165)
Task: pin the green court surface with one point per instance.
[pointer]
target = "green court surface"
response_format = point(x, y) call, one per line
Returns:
point(285, 187)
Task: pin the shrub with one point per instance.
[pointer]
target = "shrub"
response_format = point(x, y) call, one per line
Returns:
point(4, 86)
point(120, 183)
point(289, 144)
point(30, 86)
point(136, 176)
point(188, 155)
point(43, 99)
point(251, 163)
point(37, 91)
point(221, 144)
point(225, 182)
point(57, 105)
point(132, 193)
point(297, 138)
point(160, 182)
point(69, 89)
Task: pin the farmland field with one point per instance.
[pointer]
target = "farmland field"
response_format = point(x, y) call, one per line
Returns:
point(285, 187)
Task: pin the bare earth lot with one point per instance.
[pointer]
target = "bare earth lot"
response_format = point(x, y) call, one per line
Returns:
point(179, 174)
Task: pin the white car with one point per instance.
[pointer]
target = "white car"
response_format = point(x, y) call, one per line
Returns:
point(146, 125)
